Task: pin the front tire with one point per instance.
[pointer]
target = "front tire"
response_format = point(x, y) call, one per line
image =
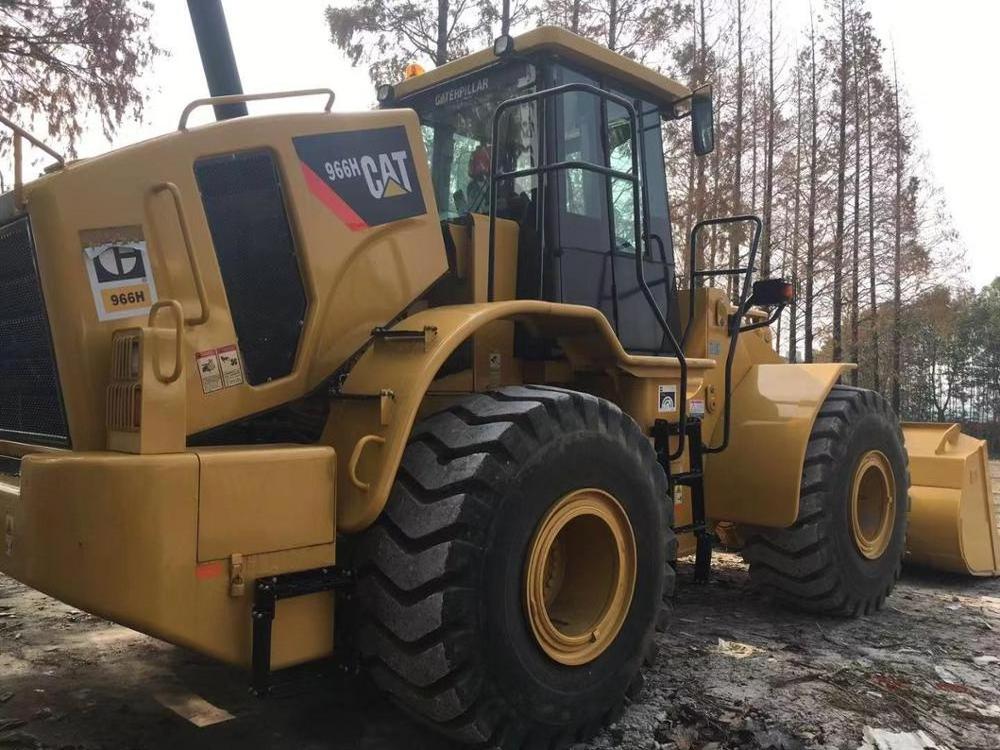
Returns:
point(844, 553)
point(453, 574)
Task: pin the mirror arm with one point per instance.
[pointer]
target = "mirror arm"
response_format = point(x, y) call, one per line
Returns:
point(672, 115)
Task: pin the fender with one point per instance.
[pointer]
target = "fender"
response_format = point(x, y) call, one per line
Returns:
point(380, 399)
point(756, 479)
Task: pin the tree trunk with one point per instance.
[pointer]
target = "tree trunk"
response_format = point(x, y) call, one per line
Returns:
point(574, 24)
point(898, 247)
point(855, 283)
point(811, 211)
point(765, 259)
point(734, 236)
point(796, 215)
point(754, 117)
point(703, 75)
point(612, 24)
point(872, 289)
point(838, 239)
point(692, 196)
point(441, 55)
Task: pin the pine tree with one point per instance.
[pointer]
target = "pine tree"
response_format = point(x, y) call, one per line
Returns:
point(810, 269)
point(66, 62)
point(838, 239)
point(769, 138)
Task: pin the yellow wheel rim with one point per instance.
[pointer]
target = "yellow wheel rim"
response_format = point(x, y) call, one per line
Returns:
point(580, 576)
point(873, 504)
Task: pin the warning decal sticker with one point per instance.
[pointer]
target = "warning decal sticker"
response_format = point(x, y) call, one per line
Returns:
point(121, 278)
point(219, 368)
point(209, 370)
point(229, 361)
point(365, 177)
point(667, 398)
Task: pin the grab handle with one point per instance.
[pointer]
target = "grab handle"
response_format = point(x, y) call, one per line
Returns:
point(175, 307)
point(352, 465)
point(237, 98)
point(199, 283)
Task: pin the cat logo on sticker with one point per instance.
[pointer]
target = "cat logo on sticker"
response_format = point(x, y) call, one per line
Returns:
point(364, 177)
point(121, 279)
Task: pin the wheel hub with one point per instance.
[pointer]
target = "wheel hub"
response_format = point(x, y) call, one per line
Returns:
point(873, 504)
point(580, 576)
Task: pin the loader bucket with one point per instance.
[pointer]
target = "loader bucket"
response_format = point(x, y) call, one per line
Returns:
point(953, 515)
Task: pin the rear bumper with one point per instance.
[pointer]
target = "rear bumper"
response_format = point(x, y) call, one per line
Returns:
point(146, 540)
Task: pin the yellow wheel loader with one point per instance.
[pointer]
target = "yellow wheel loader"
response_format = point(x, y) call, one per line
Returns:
point(416, 389)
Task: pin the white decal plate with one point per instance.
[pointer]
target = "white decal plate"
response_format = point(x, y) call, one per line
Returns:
point(120, 275)
point(666, 399)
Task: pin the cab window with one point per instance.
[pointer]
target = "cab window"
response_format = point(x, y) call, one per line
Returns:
point(457, 128)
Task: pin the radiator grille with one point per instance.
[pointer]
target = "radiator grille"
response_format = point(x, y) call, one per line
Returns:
point(31, 408)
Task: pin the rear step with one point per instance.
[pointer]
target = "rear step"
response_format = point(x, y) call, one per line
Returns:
point(954, 516)
point(268, 591)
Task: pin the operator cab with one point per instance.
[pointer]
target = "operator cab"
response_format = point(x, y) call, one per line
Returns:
point(577, 238)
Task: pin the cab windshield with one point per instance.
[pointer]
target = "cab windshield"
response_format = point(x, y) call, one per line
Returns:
point(457, 126)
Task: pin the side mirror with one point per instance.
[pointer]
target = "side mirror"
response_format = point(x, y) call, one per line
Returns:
point(771, 292)
point(702, 122)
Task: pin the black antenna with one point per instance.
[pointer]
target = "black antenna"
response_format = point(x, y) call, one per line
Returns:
point(217, 58)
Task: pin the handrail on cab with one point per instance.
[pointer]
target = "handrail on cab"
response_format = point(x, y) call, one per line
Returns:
point(237, 98)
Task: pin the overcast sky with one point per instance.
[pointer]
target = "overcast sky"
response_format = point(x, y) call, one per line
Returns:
point(947, 55)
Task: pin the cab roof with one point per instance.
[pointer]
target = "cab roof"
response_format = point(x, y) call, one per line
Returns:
point(560, 43)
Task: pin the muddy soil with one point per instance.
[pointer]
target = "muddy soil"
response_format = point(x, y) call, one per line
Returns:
point(733, 672)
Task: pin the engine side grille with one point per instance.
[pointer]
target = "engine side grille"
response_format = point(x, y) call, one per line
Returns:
point(31, 408)
point(124, 390)
point(253, 242)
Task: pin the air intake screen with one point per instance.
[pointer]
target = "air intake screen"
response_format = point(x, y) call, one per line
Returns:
point(246, 215)
point(31, 407)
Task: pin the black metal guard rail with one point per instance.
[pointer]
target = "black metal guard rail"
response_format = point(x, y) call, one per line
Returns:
point(734, 320)
point(640, 207)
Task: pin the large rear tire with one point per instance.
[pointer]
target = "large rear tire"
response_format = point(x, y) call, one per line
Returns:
point(844, 553)
point(470, 621)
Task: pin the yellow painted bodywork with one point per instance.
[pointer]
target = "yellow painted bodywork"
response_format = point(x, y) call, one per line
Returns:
point(354, 280)
point(145, 540)
point(406, 369)
point(953, 515)
point(756, 479)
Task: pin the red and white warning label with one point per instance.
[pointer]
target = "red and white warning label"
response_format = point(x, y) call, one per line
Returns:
point(219, 368)
point(229, 361)
point(209, 370)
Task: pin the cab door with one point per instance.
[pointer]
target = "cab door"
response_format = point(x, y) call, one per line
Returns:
point(591, 234)
point(638, 328)
point(580, 229)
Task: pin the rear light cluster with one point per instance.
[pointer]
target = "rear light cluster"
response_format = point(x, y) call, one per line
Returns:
point(125, 390)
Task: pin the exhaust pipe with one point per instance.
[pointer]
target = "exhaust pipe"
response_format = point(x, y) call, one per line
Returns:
point(217, 58)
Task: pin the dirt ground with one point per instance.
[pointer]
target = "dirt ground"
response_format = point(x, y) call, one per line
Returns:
point(733, 673)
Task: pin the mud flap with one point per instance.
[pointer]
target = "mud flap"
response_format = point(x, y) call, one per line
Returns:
point(953, 515)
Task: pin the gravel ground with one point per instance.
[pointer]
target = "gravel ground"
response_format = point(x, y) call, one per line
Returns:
point(733, 672)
